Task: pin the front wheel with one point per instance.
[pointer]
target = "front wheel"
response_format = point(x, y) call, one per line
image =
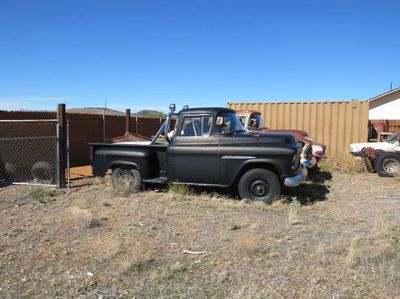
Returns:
point(388, 164)
point(259, 184)
point(126, 180)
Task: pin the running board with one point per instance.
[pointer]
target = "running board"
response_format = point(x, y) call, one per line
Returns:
point(159, 180)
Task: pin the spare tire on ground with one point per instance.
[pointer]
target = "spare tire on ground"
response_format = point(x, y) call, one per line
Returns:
point(7, 172)
point(43, 172)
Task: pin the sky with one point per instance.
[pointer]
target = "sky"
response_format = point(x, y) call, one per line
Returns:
point(143, 54)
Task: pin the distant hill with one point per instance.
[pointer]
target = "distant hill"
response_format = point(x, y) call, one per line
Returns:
point(96, 110)
point(99, 111)
point(151, 113)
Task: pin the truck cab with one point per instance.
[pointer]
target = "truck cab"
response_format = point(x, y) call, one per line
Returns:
point(208, 147)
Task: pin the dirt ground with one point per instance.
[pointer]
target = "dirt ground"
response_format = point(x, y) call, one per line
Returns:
point(335, 237)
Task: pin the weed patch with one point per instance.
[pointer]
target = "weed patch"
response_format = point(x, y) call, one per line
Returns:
point(84, 217)
point(249, 243)
point(138, 265)
point(179, 189)
point(41, 195)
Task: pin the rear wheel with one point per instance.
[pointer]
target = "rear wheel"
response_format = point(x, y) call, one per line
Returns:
point(126, 180)
point(259, 184)
point(387, 164)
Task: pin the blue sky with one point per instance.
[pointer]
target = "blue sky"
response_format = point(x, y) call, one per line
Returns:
point(147, 54)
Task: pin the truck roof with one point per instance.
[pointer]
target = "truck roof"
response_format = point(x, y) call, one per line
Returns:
point(202, 110)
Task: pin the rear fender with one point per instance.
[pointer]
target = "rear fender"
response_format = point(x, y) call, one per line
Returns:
point(123, 164)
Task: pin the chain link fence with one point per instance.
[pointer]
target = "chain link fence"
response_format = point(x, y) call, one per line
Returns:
point(28, 151)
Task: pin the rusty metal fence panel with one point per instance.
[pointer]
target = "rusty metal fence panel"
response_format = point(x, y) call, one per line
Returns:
point(87, 128)
point(336, 124)
point(28, 151)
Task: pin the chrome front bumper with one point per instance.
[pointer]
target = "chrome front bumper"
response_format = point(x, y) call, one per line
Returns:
point(297, 179)
point(309, 163)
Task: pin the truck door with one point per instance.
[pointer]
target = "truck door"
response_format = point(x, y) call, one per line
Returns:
point(193, 156)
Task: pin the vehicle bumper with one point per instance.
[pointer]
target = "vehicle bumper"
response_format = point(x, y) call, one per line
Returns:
point(297, 179)
point(309, 163)
point(318, 150)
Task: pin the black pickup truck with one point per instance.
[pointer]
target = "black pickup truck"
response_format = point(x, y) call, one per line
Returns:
point(208, 147)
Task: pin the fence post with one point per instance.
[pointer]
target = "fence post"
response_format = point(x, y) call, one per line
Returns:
point(68, 154)
point(61, 144)
point(127, 120)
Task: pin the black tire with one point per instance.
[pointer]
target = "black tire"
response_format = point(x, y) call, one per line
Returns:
point(387, 164)
point(259, 184)
point(42, 172)
point(7, 172)
point(126, 180)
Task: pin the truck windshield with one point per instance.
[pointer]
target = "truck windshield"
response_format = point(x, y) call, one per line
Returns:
point(227, 123)
point(255, 122)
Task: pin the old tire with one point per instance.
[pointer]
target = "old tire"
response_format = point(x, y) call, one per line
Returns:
point(126, 180)
point(42, 172)
point(259, 184)
point(8, 171)
point(387, 164)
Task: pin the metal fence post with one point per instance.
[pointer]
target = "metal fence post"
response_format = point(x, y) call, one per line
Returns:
point(61, 145)
point(58, 156)
point(127, 120)
point(68, 162)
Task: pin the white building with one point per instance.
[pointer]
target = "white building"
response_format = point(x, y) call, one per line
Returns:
point(385, 106)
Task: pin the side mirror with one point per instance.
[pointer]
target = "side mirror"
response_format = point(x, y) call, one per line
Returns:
point(172, 108)
point(219, 121)
point(185, 107)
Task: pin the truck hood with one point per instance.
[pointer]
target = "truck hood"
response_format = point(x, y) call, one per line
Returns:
point(385, 146)
point(298, 134)
point(265, 138)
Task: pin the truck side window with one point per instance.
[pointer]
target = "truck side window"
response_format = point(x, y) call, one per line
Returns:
point(196, 126)
point(242, 120)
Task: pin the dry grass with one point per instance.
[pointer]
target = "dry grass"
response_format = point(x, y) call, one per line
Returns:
point(344, 163)
point(249, 243)
point(353, 256)
point(106, 247)
point(84, 217)
point(397, 176)
point(346, 246)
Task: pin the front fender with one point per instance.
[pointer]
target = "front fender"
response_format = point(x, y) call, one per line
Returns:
point(237, 168)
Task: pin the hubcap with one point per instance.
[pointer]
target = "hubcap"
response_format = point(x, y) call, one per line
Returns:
point(391, 165)
point(259, 188)
point(125, 178)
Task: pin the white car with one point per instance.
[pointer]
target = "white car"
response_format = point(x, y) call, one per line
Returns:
point(384, 155)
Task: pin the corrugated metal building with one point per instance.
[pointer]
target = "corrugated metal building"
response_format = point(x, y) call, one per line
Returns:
point(337, 124)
